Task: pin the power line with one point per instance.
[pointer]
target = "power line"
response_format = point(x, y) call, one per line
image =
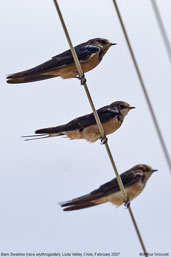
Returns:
point(159, 133)
point(162, 28)
point(103, 136)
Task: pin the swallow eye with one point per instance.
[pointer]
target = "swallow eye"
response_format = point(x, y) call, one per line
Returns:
point(103, 42)
point(122, 106)
point(144, 169)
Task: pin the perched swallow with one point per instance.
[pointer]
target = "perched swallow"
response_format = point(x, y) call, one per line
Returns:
point(85, 127)
point(134, 181)
point(89, 54)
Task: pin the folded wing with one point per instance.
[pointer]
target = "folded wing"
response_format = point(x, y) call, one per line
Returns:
point(37, 73)
point(89, 200)
point(105, 114)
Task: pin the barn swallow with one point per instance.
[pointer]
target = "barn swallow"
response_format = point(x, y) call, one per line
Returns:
point(134, 181)
point(85, 127)
point(89, 54)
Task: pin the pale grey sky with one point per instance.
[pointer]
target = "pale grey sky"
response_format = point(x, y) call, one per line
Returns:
point(36, 175)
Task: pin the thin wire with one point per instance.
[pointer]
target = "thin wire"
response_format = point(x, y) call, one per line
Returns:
point(138, 232)
point(162, 28)
point(103, 136)
point(159, 133)
point(81, 74)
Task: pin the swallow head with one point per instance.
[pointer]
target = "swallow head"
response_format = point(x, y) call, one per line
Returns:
point(103, 43)
point(122, 107)
point(146, 169)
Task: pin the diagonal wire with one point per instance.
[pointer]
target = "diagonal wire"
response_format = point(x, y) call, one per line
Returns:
point(159, 133)
point(81, 74)
point(162, 28)
point(103, 136)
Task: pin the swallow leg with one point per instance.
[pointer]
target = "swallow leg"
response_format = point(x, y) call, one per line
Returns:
point(104, 140)
point(82, 79)
point(127, 202)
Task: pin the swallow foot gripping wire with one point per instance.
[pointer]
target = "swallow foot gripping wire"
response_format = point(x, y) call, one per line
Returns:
point(104, 140)
point(82, 79)
point(127, 202)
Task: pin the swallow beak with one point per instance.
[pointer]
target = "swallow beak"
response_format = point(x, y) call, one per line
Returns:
point(131, 107)
point(154, 170)
point(113, 44)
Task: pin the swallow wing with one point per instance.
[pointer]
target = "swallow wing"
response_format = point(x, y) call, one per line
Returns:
point(83, 51)
point(128, 178)
point(82, 122)
point(105, 114)
point(88, 200)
